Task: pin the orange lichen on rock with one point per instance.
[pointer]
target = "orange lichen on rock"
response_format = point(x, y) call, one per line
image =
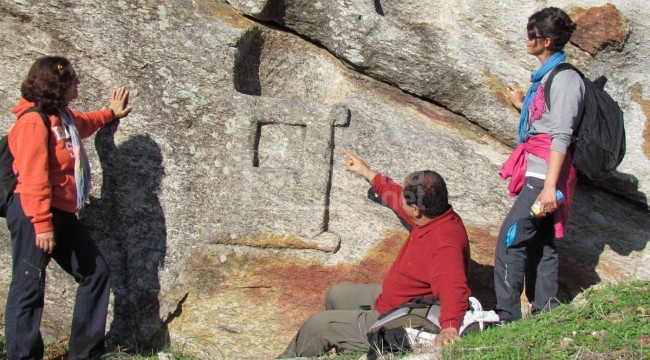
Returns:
point(226, 14)
point(271, 241)
point(498, 88)
point(637, 95)
point(598, 28)
point(381, 257)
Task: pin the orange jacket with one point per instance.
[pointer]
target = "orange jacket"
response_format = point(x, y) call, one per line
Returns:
point(46, 177)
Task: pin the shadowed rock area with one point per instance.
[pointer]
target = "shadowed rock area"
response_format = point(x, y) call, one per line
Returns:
point(221, 203)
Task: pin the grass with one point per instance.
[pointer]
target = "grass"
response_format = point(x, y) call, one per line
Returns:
point(58, 351)
point(169, 354)
point(611, 322)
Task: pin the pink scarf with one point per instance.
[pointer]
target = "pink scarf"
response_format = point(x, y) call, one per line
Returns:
point(515, 169)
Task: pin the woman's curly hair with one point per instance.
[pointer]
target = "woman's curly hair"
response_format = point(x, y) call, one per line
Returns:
point(47, 82)
point(552, 23)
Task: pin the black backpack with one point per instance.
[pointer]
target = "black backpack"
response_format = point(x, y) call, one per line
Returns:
point(7, 176)
point(600, 133)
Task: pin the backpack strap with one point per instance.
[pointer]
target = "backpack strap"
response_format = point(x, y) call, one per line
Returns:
point(421, 302)
point(44, 117)
point(46, 122)
point(547, 85)
point(7, 175)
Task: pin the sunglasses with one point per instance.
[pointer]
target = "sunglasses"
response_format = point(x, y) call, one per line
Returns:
point(532, 35)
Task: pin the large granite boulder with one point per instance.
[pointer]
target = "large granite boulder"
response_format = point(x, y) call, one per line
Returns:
point(462, 55)
point(222, 204)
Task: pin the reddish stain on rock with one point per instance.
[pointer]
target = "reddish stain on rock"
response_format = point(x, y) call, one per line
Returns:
point(302, 285)
point(598, 28)
point(482, 245)
point(481, 276)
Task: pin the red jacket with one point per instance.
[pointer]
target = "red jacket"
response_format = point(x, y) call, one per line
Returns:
point(434, 261)
point(46, 177)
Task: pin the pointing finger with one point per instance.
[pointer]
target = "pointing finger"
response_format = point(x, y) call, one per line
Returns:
point(349, 155)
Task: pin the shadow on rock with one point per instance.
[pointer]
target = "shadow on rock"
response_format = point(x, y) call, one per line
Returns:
point(129, 226)
point(481, 283)
point(603, 233)
point(374, 197)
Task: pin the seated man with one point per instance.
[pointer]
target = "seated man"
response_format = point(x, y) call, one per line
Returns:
point(433, 262)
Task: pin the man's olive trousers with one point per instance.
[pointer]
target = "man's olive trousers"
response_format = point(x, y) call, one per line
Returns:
point(349, 313)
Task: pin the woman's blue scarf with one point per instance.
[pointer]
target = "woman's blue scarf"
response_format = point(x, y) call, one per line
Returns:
point(536, 79)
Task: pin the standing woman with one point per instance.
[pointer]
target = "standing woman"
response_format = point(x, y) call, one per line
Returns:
point(538, 168)
point(53, 183)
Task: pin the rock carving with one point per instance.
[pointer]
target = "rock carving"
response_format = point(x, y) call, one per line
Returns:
point(285, 149)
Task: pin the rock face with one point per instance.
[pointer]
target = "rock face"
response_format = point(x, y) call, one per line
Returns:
point(454, 54)
point(222, 204)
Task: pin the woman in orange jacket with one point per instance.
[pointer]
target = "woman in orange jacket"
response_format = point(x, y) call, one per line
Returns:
point(53, 182)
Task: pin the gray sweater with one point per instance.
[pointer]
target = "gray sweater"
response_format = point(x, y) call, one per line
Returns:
point(567, 105)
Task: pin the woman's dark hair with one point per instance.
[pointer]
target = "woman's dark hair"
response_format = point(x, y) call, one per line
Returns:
point(427, 190)
point(47, 82)
point(552, 23)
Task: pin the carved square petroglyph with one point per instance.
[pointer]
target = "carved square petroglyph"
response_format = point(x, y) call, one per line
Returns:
point(280, 170)
point(279, 146)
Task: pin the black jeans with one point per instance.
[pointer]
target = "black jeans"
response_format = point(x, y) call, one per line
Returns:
point(76, 253)
point(531, 255)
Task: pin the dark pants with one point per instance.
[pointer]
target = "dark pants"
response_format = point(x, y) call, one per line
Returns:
point(531, 256)
point(343, 325)
point(76, 253)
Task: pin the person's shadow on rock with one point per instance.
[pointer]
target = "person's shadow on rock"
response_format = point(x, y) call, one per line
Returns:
point(374, 197)
point(128, 224)
point(600, 222)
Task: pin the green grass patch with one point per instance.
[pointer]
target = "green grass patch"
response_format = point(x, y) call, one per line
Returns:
point(612, 322)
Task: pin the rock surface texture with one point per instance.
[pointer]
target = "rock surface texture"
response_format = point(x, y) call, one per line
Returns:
point(222, 204)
